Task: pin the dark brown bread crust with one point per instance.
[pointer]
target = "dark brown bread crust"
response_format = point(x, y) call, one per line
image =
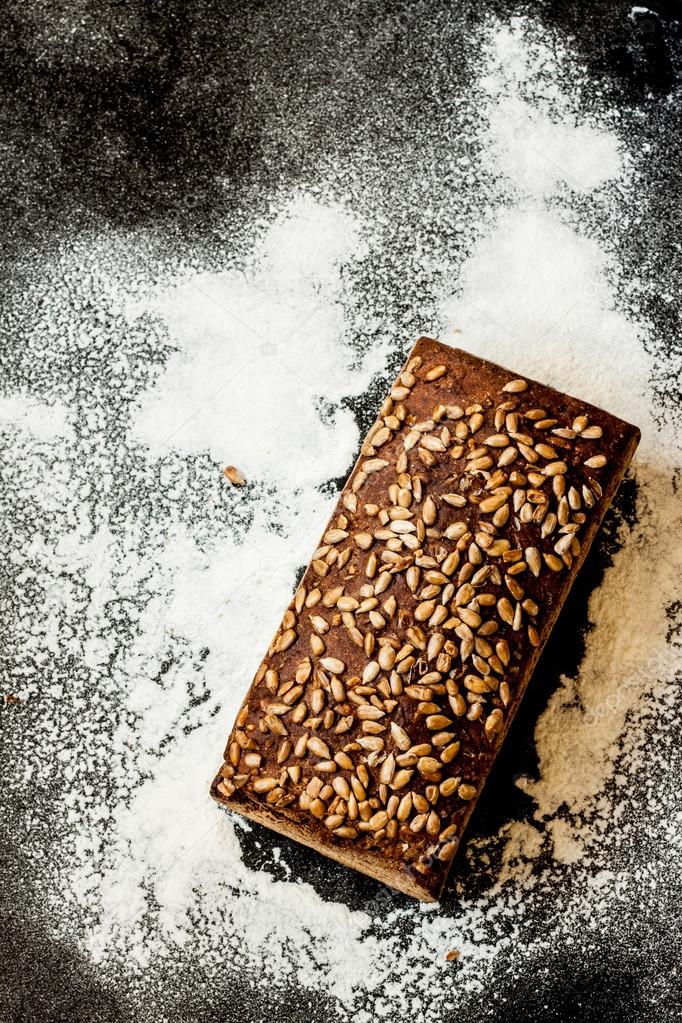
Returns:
point(393, 684)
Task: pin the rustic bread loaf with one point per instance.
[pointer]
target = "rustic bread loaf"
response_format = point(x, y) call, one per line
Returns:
point(378, 710)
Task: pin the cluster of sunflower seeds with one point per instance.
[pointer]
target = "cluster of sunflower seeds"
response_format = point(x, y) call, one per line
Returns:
point(394, 665)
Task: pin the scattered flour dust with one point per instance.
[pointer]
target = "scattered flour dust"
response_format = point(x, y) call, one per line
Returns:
point(267, 338)
point(536, 294)
point(38, 421)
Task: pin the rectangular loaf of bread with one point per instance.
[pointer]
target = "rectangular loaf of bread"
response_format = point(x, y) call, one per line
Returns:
point(377, 712)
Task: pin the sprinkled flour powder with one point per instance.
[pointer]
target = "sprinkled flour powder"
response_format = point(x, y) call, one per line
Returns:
point(150, 870)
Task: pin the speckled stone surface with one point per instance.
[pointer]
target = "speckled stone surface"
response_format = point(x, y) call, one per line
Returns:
point(157, 120)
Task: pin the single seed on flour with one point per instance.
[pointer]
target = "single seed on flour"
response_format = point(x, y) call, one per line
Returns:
point(501, 516)
point(236, 478)
point(401, 526)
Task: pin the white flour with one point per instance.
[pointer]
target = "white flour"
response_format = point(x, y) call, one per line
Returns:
point(265, 339)
point(272, 337)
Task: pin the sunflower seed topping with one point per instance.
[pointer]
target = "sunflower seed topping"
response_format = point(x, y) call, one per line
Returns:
point(515, 386)
point(392, 679)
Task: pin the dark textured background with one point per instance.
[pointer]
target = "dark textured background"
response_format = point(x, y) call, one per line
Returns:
point(136, 116)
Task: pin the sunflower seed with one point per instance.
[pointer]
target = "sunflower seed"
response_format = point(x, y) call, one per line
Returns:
point(333, 664)
point(505, 610)
point(334, 536)
point(387, 770)
point(436, 722)
point(491, 504)
point(494, 723)
point(454, 500)
point(404, 807)
point(318, 747)
point(263, 785)
point(515, 386)
point(428, 765)
point(555, 469)
point(286, 639)
point(236, 478)
point(401, 778)
point(449, 786)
